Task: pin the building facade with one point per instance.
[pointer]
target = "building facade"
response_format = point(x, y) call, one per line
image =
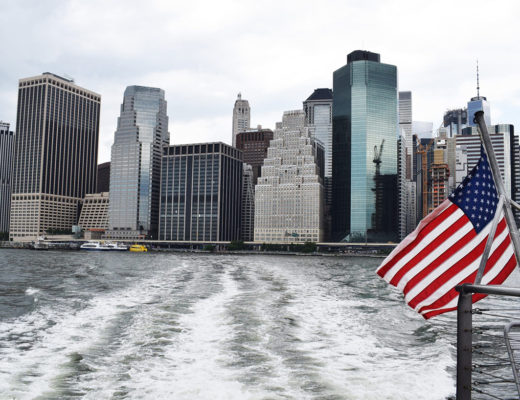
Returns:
point(365, 131)
point(241, 117)
point(103, 177)
point(6, 159)
point(503, 141)
point(201, 193)
point(55, 155)
point(254, 144)
point(318, 118)
point(289, 194)
point(248, 205)
point(406, 195)
point(478, 103)
point(455, 120)
point(94, 213)
point(135, 169)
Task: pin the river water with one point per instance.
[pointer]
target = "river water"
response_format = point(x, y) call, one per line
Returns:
point(200, 326)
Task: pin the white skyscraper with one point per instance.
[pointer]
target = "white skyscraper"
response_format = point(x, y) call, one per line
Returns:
point(241, 117)
point(289, 194)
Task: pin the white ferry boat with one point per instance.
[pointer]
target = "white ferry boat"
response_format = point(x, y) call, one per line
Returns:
point(99, 246)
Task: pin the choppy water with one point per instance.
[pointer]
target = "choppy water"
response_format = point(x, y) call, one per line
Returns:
point(195, 326)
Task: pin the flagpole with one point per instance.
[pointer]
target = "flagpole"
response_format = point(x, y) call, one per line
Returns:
point(499, 183)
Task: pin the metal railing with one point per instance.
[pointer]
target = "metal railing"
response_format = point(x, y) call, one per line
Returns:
point(488, 345)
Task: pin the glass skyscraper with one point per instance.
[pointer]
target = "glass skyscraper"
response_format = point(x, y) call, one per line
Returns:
point(135, 169)
point(478, 103)
point(364, 161)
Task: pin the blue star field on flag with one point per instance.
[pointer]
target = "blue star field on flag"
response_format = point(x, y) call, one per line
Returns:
point(477, 196)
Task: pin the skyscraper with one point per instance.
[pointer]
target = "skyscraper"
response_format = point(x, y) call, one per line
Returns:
point(318, 117)
point(247, 231)
point(289, 193)
point(55, 161)
point(406, 194)
point(364, 162)
point(254, 144)
point(201, 192)
point(103, 177)
point(455, 120)
point(241, 117)
point(478, 103)
point(6, 159)
point(135, 168)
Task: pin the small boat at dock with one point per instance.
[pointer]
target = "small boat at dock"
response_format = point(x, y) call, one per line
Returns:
point(138, 248)
point(102, 246)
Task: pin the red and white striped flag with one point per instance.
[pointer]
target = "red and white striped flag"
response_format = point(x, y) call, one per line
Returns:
point(446, 248)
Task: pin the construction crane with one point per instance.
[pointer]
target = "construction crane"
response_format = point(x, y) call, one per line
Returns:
point(377, 216)
point(377, 157)
point(423, 150)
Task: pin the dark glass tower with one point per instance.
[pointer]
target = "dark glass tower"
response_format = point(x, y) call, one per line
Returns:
point(6, 159)
point(364, 161)
point(55, 161)
point(135, 169)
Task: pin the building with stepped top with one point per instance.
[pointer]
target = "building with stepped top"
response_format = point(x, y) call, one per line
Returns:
point(289, 195)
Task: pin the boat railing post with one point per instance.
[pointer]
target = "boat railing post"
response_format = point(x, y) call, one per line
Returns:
point(464, 344)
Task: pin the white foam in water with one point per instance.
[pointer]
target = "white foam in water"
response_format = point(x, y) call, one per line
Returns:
point(191, 367)
point(31, 291)
point(354, 363)
point(165, 337)
point(28, 373)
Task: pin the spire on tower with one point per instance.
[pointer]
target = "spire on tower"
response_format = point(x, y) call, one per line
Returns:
point(478, 85)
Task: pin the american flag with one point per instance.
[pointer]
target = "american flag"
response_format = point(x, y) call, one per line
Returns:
point(446, 248)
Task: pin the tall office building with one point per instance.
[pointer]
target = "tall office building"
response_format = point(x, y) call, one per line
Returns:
point(289, 193)
point(254, 144)
point(478, 103)
point(6, 159)
point(365, 131)
point(103, 177)
point(201, 191)
point(503, 142)
point(247, 231)
point(318, 117)
point(241, 117)
point(455, 120)
point(405, 116)
point(55, 161)
point(406, 195)
point(135, 169)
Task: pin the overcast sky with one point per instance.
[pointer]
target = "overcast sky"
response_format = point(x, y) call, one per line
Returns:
point(202, 53)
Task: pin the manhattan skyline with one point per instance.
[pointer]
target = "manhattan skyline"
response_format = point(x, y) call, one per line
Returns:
point(202, 55)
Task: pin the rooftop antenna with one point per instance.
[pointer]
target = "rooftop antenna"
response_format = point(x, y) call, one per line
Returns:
point(478, 85)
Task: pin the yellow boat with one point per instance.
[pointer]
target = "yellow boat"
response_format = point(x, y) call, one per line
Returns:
point(138, 248)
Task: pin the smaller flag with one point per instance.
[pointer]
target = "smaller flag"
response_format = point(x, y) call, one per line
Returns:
point(446, 248)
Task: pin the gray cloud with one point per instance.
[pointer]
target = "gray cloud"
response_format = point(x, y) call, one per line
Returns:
point(275, 52)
